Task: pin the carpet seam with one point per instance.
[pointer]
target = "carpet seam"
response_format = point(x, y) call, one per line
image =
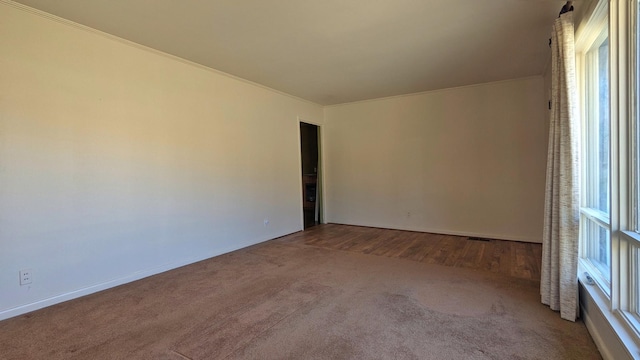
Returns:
point(180, 354)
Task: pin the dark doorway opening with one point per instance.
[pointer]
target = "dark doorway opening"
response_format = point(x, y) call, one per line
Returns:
point(311, 189)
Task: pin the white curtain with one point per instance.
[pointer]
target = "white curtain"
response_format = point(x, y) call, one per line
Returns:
point(559, 283)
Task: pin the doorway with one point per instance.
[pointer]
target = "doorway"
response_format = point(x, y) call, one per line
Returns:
point(311, 185)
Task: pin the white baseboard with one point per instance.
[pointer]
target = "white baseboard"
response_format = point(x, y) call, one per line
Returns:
point(23, 309)
point(447, 231)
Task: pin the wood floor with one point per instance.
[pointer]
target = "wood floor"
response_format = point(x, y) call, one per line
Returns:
point(512, 258)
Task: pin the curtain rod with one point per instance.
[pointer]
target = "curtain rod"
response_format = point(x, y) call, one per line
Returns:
point(566, 8)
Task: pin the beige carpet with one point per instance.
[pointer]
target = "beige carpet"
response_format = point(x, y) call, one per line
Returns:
point(282, 300)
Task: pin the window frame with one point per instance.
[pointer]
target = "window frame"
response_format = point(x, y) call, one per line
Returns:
point(629, 304)
point(620, 305)
point(586, 63)
point(591, 119)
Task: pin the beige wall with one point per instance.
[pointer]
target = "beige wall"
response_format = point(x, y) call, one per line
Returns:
point(117, 162)
point(465, 161)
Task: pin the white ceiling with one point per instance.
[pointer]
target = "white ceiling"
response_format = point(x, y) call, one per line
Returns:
point(336, 51)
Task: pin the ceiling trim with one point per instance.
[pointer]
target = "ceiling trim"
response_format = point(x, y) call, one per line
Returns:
point(453, 88)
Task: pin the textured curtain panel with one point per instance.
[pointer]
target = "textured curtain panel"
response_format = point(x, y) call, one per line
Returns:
point(559, 282)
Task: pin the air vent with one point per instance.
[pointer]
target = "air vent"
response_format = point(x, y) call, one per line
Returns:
point(478, 238)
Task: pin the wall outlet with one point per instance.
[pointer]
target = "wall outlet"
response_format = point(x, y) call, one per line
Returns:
point(25, 276)
point(266, 222)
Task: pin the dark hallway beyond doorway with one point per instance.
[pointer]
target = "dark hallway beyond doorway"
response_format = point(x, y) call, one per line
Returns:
point(310, 188)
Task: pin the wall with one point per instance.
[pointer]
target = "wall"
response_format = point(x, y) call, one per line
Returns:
point(467, 161)
point(118, 162)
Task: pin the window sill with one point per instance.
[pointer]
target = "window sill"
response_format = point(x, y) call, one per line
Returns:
point(609, 329)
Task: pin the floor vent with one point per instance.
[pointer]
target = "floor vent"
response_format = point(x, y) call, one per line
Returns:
point(474, 238)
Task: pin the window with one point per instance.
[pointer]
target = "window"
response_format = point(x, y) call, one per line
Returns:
point(635, 111)
point(608, 50)
point(633, 282)
point(597, 125)
point(598, 248)
point(595, 218)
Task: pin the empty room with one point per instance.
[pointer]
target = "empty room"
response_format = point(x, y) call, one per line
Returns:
point(319, 179)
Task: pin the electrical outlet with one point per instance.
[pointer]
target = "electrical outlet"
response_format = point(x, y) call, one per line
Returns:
point(266, 222)
point(25, 276)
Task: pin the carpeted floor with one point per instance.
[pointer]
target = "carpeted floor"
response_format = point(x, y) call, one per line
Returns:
point(286, 300)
